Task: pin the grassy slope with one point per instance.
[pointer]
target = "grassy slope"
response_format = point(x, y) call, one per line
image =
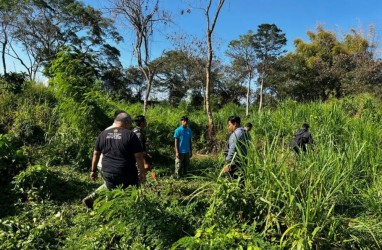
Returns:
point(330, 198)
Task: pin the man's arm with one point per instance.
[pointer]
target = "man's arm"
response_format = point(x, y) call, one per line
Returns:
point(231, 148)
point(231, 153)
point(95, 160)
point(146, 161)
point(176, 148)
point(310, 140)
point(190, 147)
point(142, 140)
point(140, 162)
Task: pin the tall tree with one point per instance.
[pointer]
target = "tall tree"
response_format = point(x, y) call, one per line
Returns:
point(177, 73)
point(72, 74)
point(136, 82)
point(268, 44)
point(43, 27)
point(8, 13)
point(243, 54)
point(211, 23)
point(327, 66)
point(362, 70)
point(226, 88)
point(196, 51)
point(142, 16)
point(115, 83)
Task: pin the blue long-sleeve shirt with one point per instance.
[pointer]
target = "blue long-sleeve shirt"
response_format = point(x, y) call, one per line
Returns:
point(238, 141)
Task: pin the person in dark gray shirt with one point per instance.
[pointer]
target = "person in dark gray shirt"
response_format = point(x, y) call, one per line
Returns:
point(237, 146)
point(301, 138)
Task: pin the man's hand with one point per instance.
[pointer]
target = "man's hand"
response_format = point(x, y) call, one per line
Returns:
point(177, 155)
point(227, 168)
point(147, 167)
point(93, 175)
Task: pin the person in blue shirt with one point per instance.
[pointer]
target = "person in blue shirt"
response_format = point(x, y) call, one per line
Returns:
point(183, 147)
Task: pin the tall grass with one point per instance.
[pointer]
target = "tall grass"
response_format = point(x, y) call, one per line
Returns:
point(327, 198)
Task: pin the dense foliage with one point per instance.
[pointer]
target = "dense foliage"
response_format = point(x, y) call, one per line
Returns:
point(326, 198)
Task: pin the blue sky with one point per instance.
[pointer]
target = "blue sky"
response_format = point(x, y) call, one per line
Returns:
point(293, 17)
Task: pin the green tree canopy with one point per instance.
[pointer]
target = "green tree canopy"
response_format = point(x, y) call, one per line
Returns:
point(42, 27)
point(243, 55)
point(327, 66)
point(268, 43)
point(177, 73)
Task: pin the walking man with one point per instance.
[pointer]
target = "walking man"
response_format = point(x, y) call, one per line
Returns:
point(141, 123)
point(88, 200)
point(121, 151)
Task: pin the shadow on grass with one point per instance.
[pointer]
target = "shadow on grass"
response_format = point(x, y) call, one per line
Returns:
point(67, 190)
point(8, 199)
point(60, 185)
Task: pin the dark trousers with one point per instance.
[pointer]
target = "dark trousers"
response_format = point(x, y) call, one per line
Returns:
point(113, 180)
point(182, 164)
point(234, 173)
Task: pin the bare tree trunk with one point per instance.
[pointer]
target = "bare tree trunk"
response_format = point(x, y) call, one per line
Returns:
point(204, 101)
point(4, 29)
point(210, 29)
point(248, 94)
point(149, 81)
point(142, 15)
point(3, 53)
point(208, 88)
point(261, 91)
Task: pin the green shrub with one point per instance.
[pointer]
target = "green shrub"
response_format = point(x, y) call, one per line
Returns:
point(12, 159)
point(37, 226)
point(34, 183)
point(238, 237)
point(14, 82)
point(133, 218)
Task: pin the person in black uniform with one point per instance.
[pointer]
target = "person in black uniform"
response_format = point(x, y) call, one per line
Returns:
point(88, 200)
point(139, 130)
point(121, 151)
point(301, 138)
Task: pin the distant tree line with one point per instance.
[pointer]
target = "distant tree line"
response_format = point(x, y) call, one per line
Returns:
point(260, 72)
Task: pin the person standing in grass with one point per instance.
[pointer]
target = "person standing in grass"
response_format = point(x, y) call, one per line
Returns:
point(248, 127)
point(141, 123)
point(183, 147)
point(301, 138)
point(237, 147)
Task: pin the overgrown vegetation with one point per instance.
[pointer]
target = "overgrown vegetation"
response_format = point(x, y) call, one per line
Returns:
point(326, 198)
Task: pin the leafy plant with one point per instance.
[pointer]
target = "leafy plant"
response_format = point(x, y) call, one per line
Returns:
point(12, 159)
